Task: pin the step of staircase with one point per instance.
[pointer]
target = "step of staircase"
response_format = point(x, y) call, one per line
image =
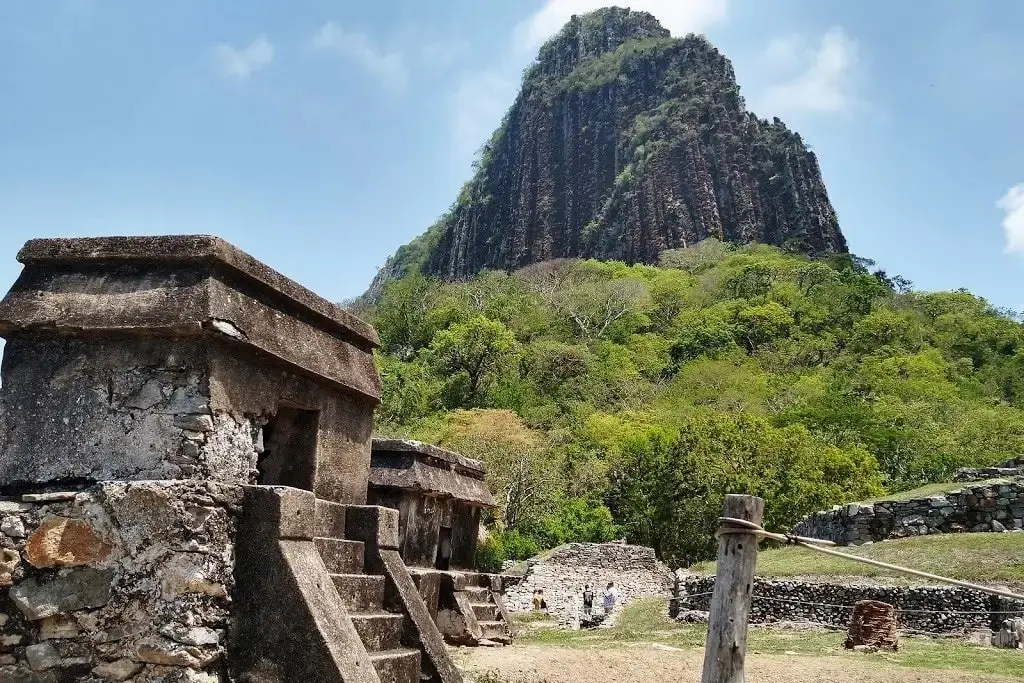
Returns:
point(493, 630)
point(478, 593)
point(330, 519)
point(401, 665)
point(360, 592)
point(379, 630)
point(341, 556)
point(485, 611)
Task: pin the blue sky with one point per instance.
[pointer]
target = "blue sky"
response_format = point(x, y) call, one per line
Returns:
point(320, 135)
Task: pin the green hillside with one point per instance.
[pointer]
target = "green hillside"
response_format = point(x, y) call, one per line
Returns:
point(612, 400)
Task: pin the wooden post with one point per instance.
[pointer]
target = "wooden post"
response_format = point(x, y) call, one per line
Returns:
point(726, 646)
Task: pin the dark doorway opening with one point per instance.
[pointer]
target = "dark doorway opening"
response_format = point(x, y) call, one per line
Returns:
point(444, 549)
point(289, 449)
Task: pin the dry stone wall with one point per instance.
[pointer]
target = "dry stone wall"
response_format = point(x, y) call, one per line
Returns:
point(564, 572)
point(127, 581)
point(933, 610)
point(989, 506)
point(1010, 468)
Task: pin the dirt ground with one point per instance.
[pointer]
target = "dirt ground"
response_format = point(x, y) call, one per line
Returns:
point(665, 664)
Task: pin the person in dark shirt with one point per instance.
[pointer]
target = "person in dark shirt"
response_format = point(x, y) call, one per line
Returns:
point(588, 600)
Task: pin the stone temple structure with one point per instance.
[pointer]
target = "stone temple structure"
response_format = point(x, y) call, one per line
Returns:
point(440, 497)
point(184, 463)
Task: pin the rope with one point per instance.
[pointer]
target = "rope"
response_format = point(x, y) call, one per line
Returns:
point(732, 525)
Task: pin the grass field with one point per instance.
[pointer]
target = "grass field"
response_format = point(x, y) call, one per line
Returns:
point(987, 558)
point(645, 623)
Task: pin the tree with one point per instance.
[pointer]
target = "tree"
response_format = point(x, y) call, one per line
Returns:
point(401, 315)
point(678, 487)
point(886, 330)
point(815, 274)
point(520, 469)
point(584, 294)
point(594, 306)
point(407, 392)
point(574, 520)
point(754, 280)
point(473, 350)
point(702, 333)
point(669, 291)
point(700, 257)
point(757, 325)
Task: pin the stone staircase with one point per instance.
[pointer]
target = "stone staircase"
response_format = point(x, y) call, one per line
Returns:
point(323, 595)
point(495, 623)
point(364, 596)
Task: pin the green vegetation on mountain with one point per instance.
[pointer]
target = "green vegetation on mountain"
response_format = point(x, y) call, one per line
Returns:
point(612, 400)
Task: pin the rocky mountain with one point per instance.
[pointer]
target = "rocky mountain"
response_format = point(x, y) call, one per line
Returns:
point(623, 142)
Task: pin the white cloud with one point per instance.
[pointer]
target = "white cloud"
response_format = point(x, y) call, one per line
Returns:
point(678, 16)
point(479, 103)
point(825, 83)
point(390, 67)
point(241, 63)
point(1012, 203)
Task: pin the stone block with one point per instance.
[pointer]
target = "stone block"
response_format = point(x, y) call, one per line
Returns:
point(42, 657)
point(282, 511)
point(120, 670)
point(80, 588)
point(13, 527)
point(64, 542)
point(373, 524)
point(330, 519)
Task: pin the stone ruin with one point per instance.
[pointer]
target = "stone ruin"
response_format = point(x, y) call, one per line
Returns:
point(993, 506)
point(563, 573)
point(440, 497)
point(184, 463)
point(1014, 467)
point(928, 610)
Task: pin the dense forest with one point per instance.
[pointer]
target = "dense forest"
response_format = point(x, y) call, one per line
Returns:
point(612, 400)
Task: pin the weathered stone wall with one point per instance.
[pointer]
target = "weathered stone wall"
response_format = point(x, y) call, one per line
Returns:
point(991, 506)
point(1014, 467)
point(77, 410)
point(923, 609)
point(126, 581)
point(563, 573)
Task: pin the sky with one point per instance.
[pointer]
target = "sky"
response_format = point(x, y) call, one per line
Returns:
point(319, 135)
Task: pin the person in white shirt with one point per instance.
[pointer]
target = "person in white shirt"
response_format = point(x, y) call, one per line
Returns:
point(611, 596)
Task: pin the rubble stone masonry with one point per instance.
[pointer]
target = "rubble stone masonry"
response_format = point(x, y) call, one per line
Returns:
point(989, 506)
point(923, 609)
point(564, 572)
point(122, 581)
